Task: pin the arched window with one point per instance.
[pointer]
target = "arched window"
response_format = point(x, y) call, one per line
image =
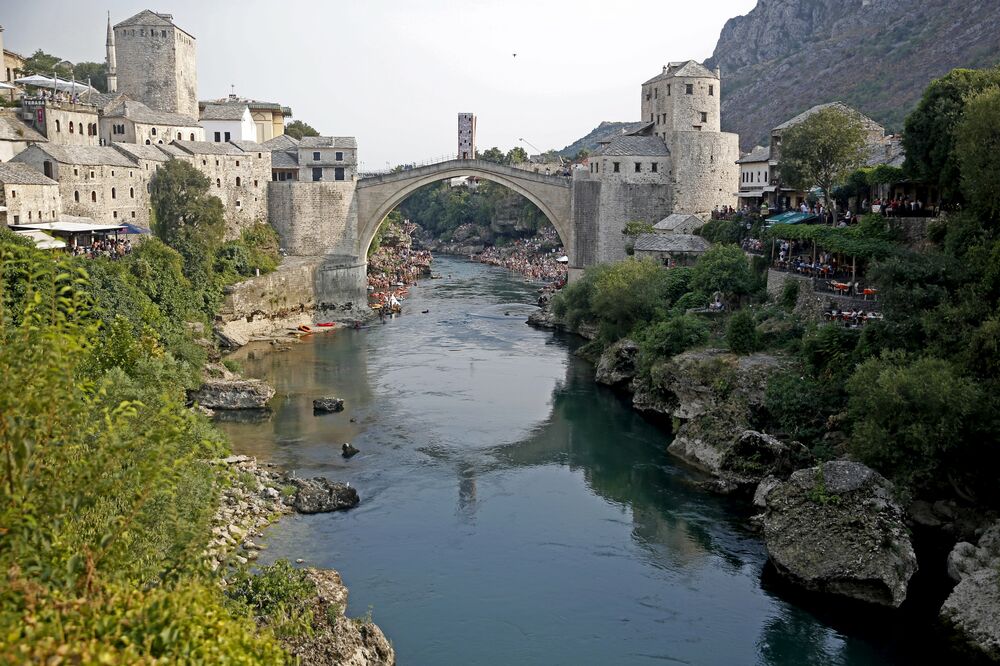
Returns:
point(71, 127)
point(218, 183)
point(76, 197)
point(152, 131)
point(147, 142)
point(113, 193)
point(93, 196)
point(58, 129)
point(192, 136)
point(178, 136)
point(160, 141)
point(131, 193)
point(237, 181)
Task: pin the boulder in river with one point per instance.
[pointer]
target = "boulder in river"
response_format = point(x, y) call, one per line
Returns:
point(617, 365)
point(233, 394)
point(836, 528)
point(328, 404)
point(335, 638)
point(973, 607)
point(319, 495)
point(348, 450)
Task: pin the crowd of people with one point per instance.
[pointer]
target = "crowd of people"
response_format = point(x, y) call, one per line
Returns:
point(109, 248)
point(899, 206)
point(395, 266)
point(536, 258)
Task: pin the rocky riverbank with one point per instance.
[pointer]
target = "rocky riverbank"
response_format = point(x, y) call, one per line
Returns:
point(837, 528)
point(255, 495)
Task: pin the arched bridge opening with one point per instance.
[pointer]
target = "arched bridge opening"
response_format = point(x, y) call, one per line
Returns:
point(377, 196)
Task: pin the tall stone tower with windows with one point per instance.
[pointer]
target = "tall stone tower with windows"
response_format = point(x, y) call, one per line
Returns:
point(466, 136)
point(681, 106)
point(156, 63)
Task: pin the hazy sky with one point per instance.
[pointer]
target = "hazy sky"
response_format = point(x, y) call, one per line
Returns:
point(395, 73)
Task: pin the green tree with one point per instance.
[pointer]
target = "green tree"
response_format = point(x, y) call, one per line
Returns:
point(822, 150)
point(44, 63)
point(669, 338)
point(741, 333)
point(977, 146)
point(188, 218)
point(912, 418)
point(723, 268)
point(931, 129)
point(298, 129)
point(516, 155)
point(96, 72)
point(493, 154)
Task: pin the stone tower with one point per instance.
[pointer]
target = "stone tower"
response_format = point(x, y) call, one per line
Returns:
point(681, 106)
point(110, 60)
point(466, 136)
point(156, 63)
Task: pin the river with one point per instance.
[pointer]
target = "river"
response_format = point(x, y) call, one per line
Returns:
point(513, 512)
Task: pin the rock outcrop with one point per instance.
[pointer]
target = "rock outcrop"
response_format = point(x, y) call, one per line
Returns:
point(319, 495)
point(233, 394)
point(617, 365)
point(836, 528)
point(328, 404)
point(861, 50)
point(973, 607)
point(335, 639)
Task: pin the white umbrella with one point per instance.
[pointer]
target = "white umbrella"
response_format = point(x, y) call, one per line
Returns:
point(7, 86)
point(62, 85)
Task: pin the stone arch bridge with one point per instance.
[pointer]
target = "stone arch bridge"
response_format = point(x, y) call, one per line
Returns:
point(377, 196)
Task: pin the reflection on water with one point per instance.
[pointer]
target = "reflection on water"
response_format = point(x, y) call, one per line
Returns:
point(512, 511)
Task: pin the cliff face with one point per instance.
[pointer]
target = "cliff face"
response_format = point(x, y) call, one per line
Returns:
point(875, 55)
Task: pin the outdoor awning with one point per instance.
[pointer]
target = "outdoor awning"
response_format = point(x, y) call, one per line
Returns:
point(62, 85)
point(132, 229)
point(7, 86)
point(42, 240)
point(563, 259)
point(792, 217)
point(66, 227)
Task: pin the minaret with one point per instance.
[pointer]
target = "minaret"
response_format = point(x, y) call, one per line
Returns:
point(111, 61)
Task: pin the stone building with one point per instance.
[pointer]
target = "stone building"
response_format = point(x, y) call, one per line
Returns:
point(466, 136)
point(228, 122)
point(131, 121)
point(284, 157)
point(678, 223)
point(681, 106)
point(634, 177)
point(671, 249)
point(239, 172)
point(26, 195)
point(155, 63)
point(268, 117)
point(63, 122)
point(755, 179)
point(15, 135)
point(11, 66)
point(326, 158)
point(98, 182)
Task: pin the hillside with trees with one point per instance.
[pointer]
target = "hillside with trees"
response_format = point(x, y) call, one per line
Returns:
point(785, 56)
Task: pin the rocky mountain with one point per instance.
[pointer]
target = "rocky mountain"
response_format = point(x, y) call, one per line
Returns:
point(875, 55)
point(589, 141)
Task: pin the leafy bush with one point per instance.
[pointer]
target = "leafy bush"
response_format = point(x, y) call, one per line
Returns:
point(799, 406)
point(723, 268)
point(278, 594)
point(723, 231)
point(668, 338)
point(828, 351)
point(741, 333)
point(789, 295)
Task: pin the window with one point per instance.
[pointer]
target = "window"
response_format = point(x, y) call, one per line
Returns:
point(704, 116)
point(237, 203)
point(192, 136)
point(317, 173)
point(339, 157)
point(112, 172)
point(179, 135)
point(237, 162)
point(91, 173)
point(204, 162)
point(114, 214)
point(131, 193)
point(47, 168)
point(638, 167)
point(17, 218)
point(711, 90)
point(76, 172)
point(113, 193)
point(152, 131)
point(655, 91)
point(654, 167)
point(617, 167)
point(218, 182)
point(163, 33)
point(218, 137)
point(71, 127)
point(13, 194)
point(133, 213)
point(227, 136)
point(668, 90)
point(260, 155)
point(338, 173)
point(76, 197)
point(216, 162)
point(29, 216)
point(237, 181)
point(93, 196)
point(689, 89)
point(255, 182)
point(147, 142)
point(316, 157)
point(651, 117)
